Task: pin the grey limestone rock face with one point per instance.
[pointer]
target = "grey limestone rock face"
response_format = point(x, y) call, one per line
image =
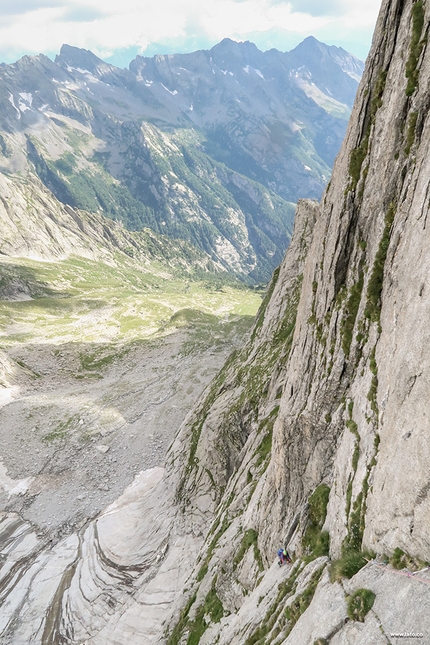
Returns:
point(359, 351)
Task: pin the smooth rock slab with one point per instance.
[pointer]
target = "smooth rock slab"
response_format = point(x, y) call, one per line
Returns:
point(33, 593)
point(367, 633)
point(325, 613)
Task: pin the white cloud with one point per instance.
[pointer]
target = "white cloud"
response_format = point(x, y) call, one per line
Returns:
point(33, 26)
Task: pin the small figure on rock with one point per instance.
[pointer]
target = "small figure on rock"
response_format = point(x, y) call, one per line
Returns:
point(286, 556)
point(283, 556)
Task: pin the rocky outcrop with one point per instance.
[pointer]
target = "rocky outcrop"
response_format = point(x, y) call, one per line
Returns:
point(353, 360)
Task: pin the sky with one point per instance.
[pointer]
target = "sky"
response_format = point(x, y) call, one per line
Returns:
point(118, 30)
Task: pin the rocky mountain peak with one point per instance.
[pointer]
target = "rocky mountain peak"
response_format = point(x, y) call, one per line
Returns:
point(36, 64)
point(331, 69)
point(82, 59)
point(232, 49)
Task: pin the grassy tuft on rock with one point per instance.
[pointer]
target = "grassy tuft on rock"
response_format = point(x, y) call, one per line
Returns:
point(349, 564)
point(316, 542)
point(360, 603)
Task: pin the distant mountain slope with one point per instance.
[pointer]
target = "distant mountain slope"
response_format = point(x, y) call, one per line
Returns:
point(36, 226)
point(254, 110)
point(211, 147)
point(331, 69)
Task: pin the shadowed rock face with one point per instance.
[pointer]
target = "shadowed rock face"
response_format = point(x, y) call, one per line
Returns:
point(212, 147)
point(313, 435)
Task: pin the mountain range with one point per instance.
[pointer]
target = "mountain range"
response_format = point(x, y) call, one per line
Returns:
point(213, 147)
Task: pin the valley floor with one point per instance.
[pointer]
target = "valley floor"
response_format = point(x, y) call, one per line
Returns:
point(97, 377)
point(70, 447)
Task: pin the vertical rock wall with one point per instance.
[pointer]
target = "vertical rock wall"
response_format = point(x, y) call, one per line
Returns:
point(358, 373)
point(348, 402)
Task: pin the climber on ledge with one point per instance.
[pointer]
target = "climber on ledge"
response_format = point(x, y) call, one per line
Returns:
point(283, 556)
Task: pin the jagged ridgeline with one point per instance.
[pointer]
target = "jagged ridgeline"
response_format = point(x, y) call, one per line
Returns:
point(213, 147)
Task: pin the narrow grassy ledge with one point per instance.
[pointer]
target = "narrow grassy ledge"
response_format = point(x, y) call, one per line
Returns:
point(352, 556)
point(262, 310)
point(350, 313)
point(315, 541)
point(352, 427)
point(180, 626)
point(211, 607)
point(355, 526)
point(372, 310)
point(371, 396)
point(205, 566)
point(353, 559)
point(410, 137)
point(250, 539)
point(265, 448)
point(365, 488)
point(359, 154)
point(416, 47)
